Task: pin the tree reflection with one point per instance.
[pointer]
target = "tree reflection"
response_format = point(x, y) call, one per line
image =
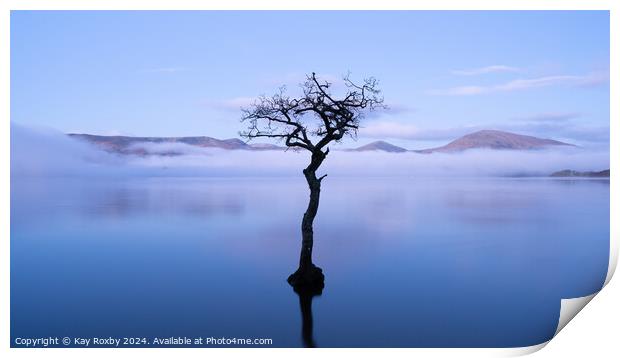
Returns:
point(306, 295)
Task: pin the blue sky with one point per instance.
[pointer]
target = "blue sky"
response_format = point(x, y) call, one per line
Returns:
point(444, 74)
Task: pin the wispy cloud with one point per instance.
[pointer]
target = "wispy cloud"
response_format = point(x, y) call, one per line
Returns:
point(560, 129)
point(554, 125)
point(550, 81)
point(485, 70)
point(592, 79)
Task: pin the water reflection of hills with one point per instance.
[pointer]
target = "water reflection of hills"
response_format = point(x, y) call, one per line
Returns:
point(41, 199)
point(120, 202)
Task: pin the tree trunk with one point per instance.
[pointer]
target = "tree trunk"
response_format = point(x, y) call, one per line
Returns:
point(307, 232)
point(308, 274)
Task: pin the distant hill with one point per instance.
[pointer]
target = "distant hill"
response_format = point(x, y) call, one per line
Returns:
point(265, 146)
point(574, 173)
point(488, 139)
point(130, 145)
point(493, 139)
point(381, 146)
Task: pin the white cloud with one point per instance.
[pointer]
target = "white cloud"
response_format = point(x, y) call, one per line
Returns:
point(592, 79)
point(541, 82)
point(43, 151)
point(485, 70)
point(554, 125)
point(167, 148)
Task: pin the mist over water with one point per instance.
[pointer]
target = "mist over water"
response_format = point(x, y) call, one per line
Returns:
point(38, 152)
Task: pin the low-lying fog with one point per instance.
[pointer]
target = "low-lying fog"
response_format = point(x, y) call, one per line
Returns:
point(40, 152)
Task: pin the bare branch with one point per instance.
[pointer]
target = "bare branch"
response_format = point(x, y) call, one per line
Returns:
point(286, 119)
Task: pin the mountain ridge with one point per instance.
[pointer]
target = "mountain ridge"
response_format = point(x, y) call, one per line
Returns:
point(127, 144)
point(483, 139)
point(380, 145)
point(494, 139)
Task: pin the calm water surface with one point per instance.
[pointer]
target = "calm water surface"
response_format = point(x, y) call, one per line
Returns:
point(408, 262)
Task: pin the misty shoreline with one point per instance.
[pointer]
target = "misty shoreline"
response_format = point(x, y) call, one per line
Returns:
point(50, 153)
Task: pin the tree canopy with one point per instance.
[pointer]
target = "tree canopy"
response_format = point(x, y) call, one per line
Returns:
point(289, 119)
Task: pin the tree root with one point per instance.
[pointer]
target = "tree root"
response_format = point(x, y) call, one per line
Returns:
point(307, 280)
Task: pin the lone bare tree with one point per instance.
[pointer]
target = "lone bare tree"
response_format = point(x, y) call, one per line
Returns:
point(311, 122)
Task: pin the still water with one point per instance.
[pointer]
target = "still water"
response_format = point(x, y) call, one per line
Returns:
point(408, 262)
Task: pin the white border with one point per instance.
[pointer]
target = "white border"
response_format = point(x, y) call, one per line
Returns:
point(603, 326)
